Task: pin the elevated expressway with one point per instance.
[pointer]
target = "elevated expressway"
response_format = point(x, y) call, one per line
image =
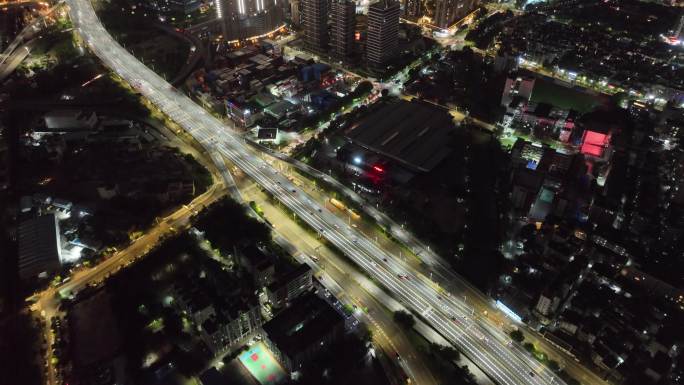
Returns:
point(487, 346)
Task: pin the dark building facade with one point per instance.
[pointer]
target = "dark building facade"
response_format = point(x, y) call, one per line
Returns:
point(413, 9)
point(343, 23)
point(290, 285)
point(241, 19)
point(314, 16)
point(300, 332)
point(447, 12)
point(383, 33)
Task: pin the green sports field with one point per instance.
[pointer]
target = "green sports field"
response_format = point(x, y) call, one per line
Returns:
point(261, 365)
point(568, 98)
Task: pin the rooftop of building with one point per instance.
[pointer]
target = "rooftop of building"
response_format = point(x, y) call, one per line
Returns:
point(228, 293)
point(308, 320)
point(542, 158)
point(286, 275)
point(267, 133)
point(604, 120)
point(382, 5)
point(279, 109)
point(415, 134)
point(69, 121)
point(211, 376)
point(256, 257)
point(39, 244)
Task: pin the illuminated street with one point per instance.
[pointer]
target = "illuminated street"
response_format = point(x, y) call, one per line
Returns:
point(487, 346)
point(343, 280)
point(47, 302)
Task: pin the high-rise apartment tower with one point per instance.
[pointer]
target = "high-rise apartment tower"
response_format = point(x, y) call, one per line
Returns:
point(343, 14)
point(315, 19)
point(383, 33)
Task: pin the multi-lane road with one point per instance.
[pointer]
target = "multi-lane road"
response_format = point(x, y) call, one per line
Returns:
point(346, 283)
point(486, 345)
point(429, 263)
point(28, 32)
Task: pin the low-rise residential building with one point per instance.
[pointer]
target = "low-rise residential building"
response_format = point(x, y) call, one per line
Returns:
point(300, 332)
point(243, 114)
point(221, 305)
point(260, 265)
point(290, 285)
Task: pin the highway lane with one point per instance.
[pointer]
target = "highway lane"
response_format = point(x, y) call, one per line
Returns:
point(428, 304)
point(15, 59)
point(440, 271)
point(28, 32)
point(364, 250)
point(414, 291)
point(436, 267)
point(344, 280)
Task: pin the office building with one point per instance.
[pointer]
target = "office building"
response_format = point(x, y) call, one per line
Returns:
point(383, 33)
point(315, 20)
point(447, 12)
point(343, 23)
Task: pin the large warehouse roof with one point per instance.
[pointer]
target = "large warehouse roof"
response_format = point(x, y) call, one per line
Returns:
point(39, 246)
point(415, 134)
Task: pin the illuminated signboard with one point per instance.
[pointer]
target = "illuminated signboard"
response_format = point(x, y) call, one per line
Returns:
point(594, 143)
